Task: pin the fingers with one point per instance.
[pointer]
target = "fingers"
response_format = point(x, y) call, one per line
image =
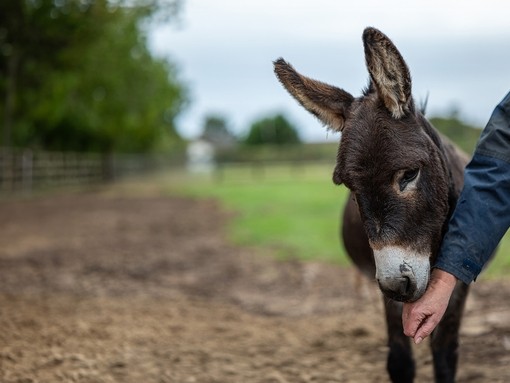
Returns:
point(425, 329)
point(416, 323)
point(410, 322)
point(421, 317)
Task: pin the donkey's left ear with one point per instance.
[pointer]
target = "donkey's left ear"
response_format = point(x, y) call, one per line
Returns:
point(388, 71)
point(326, 102)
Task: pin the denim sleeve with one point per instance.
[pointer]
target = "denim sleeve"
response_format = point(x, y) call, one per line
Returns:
point(495, 138)
point(480, 219)
point(482, 214)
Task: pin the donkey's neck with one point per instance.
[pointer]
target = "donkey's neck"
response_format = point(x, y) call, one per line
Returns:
point(434, 135)
point(454, 159)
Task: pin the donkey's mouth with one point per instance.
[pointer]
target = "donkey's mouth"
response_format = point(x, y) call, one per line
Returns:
point(401, 289)
point(402, 274)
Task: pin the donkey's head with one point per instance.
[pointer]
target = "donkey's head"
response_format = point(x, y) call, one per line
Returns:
point(391, 160)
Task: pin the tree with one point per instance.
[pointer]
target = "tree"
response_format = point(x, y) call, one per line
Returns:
point(33, 36)
point(216, 131)
point(84, 79)
point(276, 130)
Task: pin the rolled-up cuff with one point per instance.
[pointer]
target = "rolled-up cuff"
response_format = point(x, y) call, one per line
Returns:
point(466, 274)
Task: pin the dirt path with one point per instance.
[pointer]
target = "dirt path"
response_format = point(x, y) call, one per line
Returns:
point(107, 287)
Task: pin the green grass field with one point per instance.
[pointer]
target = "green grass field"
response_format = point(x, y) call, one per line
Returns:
point(288, 211)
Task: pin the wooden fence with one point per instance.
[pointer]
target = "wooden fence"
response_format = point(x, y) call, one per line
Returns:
point(25, 170)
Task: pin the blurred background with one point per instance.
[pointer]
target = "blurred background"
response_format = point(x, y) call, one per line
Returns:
point(112, 78)
point(457, 54)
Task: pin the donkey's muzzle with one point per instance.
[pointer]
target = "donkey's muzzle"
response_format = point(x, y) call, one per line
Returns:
point(402, 274)
point(400, 289)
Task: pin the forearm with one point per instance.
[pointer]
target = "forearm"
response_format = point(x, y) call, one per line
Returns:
point(480, 220)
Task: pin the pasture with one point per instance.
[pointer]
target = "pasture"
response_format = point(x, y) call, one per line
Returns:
point(287, 210)
point(179, 279)
point(290, 210)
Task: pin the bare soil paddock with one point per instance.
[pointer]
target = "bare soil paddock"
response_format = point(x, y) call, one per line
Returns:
point(117, 287)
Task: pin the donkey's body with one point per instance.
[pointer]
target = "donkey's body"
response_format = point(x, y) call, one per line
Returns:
point(444, 341)
point(404, 180)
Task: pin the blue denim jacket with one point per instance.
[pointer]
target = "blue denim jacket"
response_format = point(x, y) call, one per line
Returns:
point(482, 214)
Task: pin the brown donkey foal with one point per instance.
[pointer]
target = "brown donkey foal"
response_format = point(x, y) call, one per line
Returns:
point(404, 179)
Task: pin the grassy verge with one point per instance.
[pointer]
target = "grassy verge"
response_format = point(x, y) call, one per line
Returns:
point(290, 211)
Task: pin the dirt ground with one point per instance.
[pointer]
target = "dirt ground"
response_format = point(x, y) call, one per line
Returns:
point(113, 286)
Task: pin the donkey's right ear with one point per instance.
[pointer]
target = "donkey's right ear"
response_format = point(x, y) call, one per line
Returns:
point(328, 103)
point(388, 71)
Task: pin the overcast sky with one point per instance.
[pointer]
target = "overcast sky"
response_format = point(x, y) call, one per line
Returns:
point(458, 53)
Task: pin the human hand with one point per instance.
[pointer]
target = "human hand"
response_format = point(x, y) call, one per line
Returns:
point(421, 317)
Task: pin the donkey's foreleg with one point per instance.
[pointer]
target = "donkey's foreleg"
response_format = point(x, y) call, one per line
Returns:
point(400, 363)
point(444, 340)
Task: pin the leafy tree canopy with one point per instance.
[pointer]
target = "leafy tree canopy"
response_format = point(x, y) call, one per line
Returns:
point(276, 130)
point(77, 75)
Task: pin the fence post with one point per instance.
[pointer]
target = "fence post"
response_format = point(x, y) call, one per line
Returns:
point(7, 181)
point(27, 166)
point(108, 167)
point(2, 167)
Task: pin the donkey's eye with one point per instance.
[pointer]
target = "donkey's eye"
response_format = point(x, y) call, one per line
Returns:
point(408, 177)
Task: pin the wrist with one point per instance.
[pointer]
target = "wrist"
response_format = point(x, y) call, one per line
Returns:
point(443, 278)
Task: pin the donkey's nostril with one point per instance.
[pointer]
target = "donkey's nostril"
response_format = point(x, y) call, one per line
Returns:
point(399, 289)
point(406, 285)
point(401, 286)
